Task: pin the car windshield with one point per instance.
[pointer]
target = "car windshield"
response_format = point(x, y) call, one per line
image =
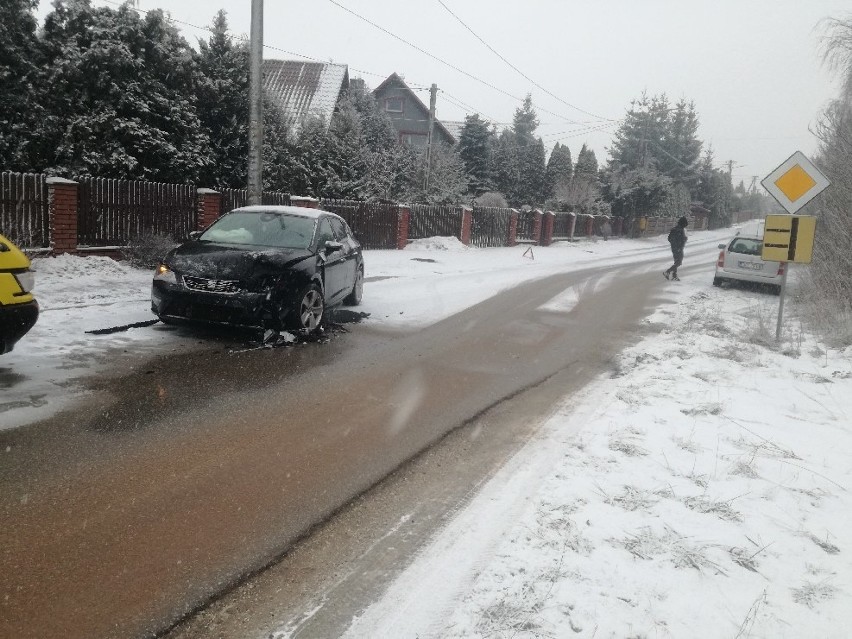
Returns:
point(264, 228)
point(746, 246)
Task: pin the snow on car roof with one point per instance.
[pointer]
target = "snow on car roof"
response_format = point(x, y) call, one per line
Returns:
point(299, 211)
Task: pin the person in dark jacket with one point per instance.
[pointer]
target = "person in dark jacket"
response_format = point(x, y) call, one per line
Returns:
point(677, 239)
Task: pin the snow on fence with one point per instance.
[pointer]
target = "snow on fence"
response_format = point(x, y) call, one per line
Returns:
point(112, 212)
point(374, 224)
point(490, 226)
point(24, 209)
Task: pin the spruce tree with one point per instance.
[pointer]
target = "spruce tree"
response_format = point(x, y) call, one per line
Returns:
point(587, 164)
point(474, 149)
point(519, 159)
point(505, 160)
point(344, 172)
point(222, 90)
point(122, 96)
point(376, 127)
point(20, 104)
point(525, 122)
point(559, 169)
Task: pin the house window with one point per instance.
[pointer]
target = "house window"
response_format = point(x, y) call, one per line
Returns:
point(393, 105)
point(414, 139)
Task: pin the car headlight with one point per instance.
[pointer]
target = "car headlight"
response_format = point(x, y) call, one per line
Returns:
point(26, 280)
point(165, 274)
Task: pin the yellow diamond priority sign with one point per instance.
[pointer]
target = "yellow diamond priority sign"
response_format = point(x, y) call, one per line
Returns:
point(796, 182)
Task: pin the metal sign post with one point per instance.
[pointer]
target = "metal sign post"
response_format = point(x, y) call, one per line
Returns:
point(790, 238)
point(786, 267)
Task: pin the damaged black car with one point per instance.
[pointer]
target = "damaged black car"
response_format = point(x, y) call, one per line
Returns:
point(275, 267)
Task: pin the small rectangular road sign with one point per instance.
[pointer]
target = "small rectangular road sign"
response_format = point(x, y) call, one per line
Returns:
point(788, 238)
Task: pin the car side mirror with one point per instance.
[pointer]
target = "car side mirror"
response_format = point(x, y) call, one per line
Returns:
point(331, 246)
point(194, 235)
point(721, 246)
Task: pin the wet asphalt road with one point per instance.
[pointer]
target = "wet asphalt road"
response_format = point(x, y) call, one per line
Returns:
point(186, 473)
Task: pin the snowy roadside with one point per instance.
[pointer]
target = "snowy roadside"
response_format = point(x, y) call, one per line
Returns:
point(427, 282)
point(75, 295)
point(701, 490)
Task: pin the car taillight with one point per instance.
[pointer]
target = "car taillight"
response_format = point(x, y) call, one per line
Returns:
point(721, 260)
point(781, 267)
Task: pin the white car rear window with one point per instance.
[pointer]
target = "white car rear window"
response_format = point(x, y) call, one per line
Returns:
point(746, 246)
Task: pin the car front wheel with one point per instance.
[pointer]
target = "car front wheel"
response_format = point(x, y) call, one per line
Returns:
point(308, 310)
point(354, 298)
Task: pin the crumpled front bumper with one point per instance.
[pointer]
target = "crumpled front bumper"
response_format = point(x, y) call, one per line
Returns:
point(175, 302)
point(15, 321)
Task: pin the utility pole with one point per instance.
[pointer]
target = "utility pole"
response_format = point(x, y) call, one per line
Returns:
point(255, 159)
point(433, 96)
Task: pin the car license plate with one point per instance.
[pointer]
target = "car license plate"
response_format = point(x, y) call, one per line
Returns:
point(754, 266)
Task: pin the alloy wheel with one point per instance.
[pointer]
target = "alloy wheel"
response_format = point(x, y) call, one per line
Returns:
point(311, 310)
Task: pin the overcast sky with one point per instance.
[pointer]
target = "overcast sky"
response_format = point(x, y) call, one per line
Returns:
point(752, 67)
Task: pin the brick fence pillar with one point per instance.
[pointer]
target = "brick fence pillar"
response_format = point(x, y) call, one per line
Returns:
point(209, 207)
point(547, 228)
point(536, 230)
point(304, 201)
point(512, 240)
point(590, 226)
point(466, 225)
point(62, 214)
point(402, 226)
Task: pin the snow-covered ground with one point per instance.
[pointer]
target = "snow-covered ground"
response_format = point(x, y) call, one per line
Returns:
point(700, 490)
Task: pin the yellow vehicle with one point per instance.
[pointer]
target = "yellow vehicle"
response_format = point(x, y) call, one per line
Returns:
point(18, 308)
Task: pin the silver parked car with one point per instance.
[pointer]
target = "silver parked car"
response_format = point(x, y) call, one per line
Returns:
point(740, 261)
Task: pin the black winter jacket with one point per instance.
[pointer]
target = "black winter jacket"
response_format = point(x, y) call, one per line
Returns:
point(677, 238)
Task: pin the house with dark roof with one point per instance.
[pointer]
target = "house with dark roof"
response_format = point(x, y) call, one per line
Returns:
point(410, 116)
point(305, 89)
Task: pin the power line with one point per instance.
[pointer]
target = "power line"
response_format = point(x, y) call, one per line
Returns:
point(454, 100)
point(570, 132)
point(466, 107)
point(441, 60)
point(585, 131)
point(524, 75)
point(241, 38)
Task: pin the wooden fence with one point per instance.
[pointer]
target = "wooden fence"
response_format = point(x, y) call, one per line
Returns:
point(374, 224)
point(112, 212)
point(24, 209)
point(563, 226)
point(490, 226)
point(526, 230)
point(431, 221)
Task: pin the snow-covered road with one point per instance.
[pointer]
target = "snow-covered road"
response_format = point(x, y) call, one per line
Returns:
point(408, 289)
point(699, 489)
